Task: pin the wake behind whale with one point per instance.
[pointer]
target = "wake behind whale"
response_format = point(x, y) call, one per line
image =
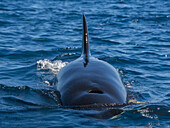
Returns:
point(89, 81)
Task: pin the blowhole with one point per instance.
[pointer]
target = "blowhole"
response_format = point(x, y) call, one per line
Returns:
point(96, 91)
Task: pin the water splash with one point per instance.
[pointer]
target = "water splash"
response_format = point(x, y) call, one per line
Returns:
point(54, 66)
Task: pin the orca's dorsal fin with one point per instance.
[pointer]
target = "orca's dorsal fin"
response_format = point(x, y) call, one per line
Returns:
point(85, 43)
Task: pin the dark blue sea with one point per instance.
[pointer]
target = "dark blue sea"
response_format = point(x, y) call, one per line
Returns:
point(39, 37)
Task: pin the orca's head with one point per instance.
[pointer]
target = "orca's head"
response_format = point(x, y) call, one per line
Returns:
point(97, 83)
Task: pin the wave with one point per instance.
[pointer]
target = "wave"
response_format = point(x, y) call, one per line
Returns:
point(23, 97)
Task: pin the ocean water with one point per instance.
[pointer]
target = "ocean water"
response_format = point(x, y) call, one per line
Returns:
point(38, 38)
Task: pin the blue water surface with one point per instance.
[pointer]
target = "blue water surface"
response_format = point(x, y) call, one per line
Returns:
point(131, 35)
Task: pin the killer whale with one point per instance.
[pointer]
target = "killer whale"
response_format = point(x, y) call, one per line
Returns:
point(88, 80)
